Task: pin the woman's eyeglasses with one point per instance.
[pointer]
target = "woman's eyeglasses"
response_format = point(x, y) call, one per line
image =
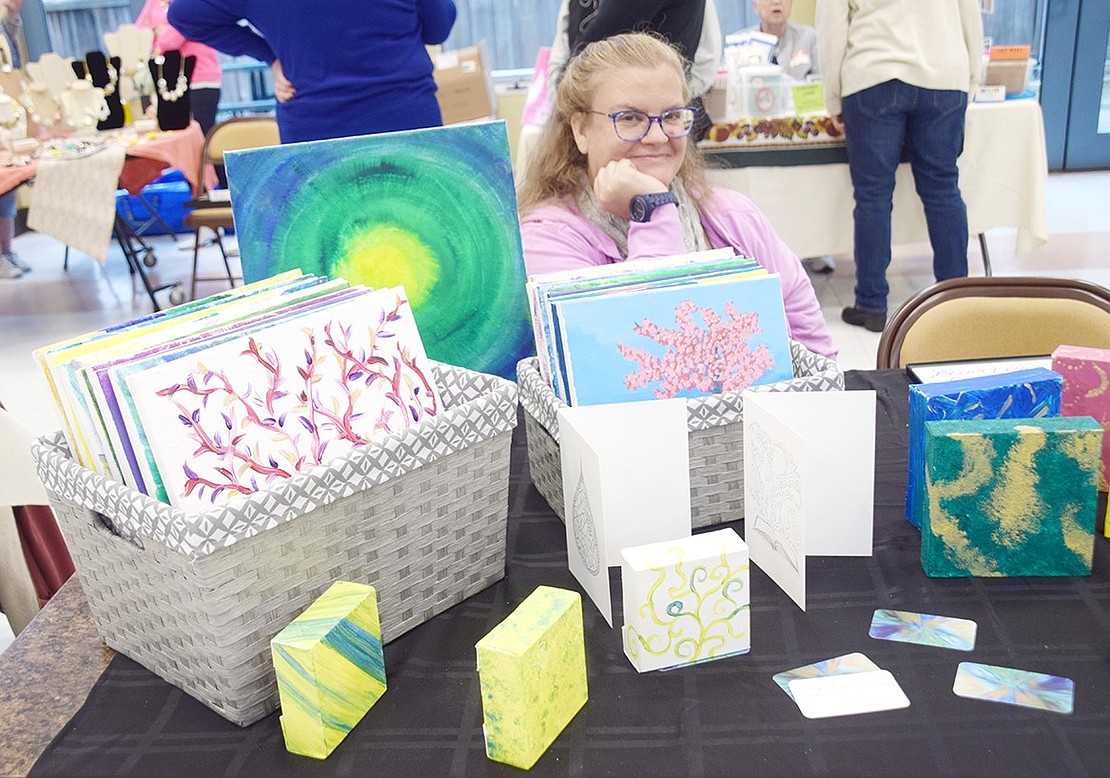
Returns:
point(634, 125)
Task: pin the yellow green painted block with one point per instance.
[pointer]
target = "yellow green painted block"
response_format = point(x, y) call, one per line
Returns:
point(532, 668)
point(330, 668)
point(1010, 497)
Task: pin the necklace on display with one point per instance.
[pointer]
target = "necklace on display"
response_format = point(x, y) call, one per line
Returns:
point(17, 114)
point(113, 77)
point(37, 117)
point(181, 86)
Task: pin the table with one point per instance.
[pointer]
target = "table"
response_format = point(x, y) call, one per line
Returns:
point(74, 198)
point(721, 718)
point(1002, 175)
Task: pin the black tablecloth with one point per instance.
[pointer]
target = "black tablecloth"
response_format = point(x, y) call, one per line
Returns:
point(721, 718)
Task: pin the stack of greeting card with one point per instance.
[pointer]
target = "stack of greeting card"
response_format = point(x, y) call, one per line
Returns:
point(218, 398)
point(685, 326)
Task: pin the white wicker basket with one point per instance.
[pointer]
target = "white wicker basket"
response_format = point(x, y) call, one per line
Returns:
point(716, 436)
point(421, 516)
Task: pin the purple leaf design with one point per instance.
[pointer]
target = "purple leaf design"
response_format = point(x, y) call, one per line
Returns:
point(306, 424)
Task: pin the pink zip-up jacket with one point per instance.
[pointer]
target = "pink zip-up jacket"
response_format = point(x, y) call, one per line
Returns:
point(557, 237)
point(207, 72)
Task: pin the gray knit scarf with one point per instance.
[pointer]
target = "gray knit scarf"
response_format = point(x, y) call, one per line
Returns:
point(693, 233)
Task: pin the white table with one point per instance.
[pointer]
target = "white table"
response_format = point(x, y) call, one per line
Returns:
point(1002, 174)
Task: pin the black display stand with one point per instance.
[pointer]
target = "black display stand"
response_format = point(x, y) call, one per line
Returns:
point(104, 73)
point(174, 111)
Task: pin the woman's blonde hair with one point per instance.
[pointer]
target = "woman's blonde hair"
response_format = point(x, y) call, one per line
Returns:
point(557, 167)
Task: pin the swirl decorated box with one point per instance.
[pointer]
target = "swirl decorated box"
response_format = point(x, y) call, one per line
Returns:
point(1010, 497)
point(686, 600)
point(330, 668)
point(1086, 373)
point(532, 668)
point(1016, 395)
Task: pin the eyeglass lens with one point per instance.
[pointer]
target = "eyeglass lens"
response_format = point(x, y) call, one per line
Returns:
point(634, 125)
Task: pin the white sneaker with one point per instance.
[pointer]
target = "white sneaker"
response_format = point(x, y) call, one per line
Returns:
point(8, 270)
point(13, 259)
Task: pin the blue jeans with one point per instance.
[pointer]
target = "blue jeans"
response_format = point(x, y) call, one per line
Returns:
point(879, 122)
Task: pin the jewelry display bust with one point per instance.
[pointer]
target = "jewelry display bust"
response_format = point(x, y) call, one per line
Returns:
point(13, 122)
point(43, 107)
point(172, 74)
point(84, 105)
point(98, 70)
point(132, 46)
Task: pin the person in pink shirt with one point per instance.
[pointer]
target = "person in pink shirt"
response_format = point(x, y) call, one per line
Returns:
point(614, 178)
point(204, 88)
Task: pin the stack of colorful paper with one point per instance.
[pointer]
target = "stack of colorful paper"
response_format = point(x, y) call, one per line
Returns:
point(218, 398)
point(532, 668)
point(686, 326)
point(330, 668)
point(1010, 497)
point(1022, 394)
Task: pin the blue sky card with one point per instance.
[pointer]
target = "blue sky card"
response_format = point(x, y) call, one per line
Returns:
point(684, 341)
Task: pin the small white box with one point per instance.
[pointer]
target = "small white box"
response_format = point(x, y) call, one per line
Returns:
point(686, 601)
point(758, 91)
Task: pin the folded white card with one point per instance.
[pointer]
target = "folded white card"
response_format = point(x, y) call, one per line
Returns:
point(809, 480)
point(626, 482)
point(20, 484)
point(848, 694)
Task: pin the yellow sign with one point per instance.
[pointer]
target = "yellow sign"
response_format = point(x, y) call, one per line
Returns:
point(808, 98)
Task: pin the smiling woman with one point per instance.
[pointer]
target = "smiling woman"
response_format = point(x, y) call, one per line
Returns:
point(615, 178)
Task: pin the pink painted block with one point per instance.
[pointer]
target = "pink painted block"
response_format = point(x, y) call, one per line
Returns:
point(1086, 373)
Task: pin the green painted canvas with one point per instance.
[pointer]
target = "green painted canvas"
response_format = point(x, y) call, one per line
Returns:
point(1010, 497)
point(532, 669)
point(330, 668)
point(432, 210)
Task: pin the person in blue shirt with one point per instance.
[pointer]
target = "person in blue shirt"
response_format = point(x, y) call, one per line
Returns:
point(354, 67)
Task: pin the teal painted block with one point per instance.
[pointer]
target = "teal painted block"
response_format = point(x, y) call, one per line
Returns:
point(532, 670)
point(1010, 497)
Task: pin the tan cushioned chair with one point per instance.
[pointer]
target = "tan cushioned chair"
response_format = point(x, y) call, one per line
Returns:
point(244, 132)
point(980, 318)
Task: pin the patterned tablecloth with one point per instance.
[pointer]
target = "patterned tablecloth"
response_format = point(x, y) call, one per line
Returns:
point(74, 196)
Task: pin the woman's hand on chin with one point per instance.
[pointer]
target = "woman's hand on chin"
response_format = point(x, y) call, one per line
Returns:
point(618, 182)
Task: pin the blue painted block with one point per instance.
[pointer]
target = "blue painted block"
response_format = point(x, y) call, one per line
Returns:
point(1022, 394)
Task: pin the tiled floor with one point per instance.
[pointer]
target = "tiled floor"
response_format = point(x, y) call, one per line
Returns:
point(50, 303)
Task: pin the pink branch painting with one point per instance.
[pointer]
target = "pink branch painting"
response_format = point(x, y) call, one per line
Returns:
point(712, 358)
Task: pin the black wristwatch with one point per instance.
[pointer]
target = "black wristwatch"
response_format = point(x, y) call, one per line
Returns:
point(641, 206)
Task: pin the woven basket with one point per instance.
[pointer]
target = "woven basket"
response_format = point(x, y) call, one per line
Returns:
point(421, 516)
point(716, 436)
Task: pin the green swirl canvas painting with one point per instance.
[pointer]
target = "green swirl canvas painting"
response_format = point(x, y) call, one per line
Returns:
point(431, 210)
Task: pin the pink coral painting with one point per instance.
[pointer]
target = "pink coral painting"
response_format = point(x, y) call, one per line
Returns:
point(728, 335)
point(232, 419)
point(713, 359)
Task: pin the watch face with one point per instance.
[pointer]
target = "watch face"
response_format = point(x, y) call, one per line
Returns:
point(638, 208)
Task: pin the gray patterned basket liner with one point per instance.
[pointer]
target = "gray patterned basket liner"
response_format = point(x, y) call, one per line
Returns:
point(716, 435)
point(478, 407)
point(421, 516)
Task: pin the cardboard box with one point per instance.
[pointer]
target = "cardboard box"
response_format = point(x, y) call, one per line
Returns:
point(1013, 74)
point(464, 89)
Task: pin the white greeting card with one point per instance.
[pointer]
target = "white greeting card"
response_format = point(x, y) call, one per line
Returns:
point(626, 482)
point(20, 484)
point(809, 473)
point(847, 694)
